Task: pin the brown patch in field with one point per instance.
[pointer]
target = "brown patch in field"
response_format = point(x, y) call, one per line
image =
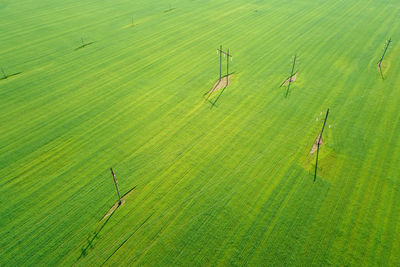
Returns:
point(220, 84)
point(315, 146)
point(290, 79)
point(116, 205)
point(113, 208)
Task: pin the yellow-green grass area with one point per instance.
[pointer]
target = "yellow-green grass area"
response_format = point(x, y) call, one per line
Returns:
point(223, 181)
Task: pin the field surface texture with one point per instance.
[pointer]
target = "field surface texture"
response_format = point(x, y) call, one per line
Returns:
point(219, 179)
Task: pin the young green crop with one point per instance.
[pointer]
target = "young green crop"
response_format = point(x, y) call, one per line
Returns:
point(231, 185)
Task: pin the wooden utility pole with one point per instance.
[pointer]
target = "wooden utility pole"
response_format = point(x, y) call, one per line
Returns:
point(227, 68)
point(291, 75)
point(384, 52)
point(220, 62)
point(116, 186)
point(227, 63)
point(318, 142)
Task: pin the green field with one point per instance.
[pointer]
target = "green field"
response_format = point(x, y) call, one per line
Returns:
point(227, 181)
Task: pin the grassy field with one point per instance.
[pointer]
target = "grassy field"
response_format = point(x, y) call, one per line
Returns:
point(223, 184)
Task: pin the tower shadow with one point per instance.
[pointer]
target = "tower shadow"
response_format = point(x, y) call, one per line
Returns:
point(380, 71)
point(83, 46)
point(169, 10)
point(89, 245)
point(137, 229)
point(216, 100)
point(222, 80)
point(316, 165)
point(11, 75)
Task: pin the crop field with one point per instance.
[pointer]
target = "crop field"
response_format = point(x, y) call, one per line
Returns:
point(209, 174)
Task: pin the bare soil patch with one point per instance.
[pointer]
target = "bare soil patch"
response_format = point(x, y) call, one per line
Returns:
point(315, 146)
point(290, 79)
point(116, 204)
point(220, 84)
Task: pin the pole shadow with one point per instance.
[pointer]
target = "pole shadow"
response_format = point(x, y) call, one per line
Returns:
point(289, 84)
point(84, 45)
point(316, 165)
point(209, 92)
point(115, 251)
point(380, 71)
point(130, 190)
point(287, 90)
point(286, 80)
point(220, 94)
point(289, 80)
point(89, 245)
point(216, 100)
point(11, 75)
point(169, 10)
point(212, 103)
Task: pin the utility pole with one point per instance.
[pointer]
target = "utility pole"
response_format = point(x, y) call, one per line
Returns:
point(116, 186)
point(227, 68)
point(318, 142)
point(82, 41)
point(227, 63)
point(220, 62)
point(384, 52)
point(291, 75)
